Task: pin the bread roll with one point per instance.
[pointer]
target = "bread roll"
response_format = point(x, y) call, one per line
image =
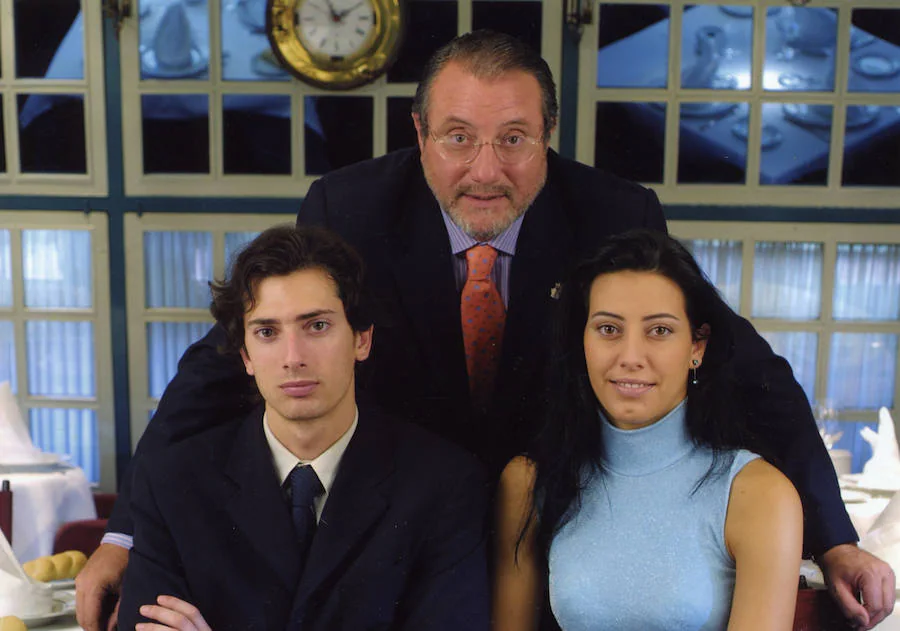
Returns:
point(11, 623)
point(40, 569)
point(62, 566)
point(78, 561)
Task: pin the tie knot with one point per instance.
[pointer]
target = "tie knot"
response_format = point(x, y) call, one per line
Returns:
point(305, 486)
point(480, 260)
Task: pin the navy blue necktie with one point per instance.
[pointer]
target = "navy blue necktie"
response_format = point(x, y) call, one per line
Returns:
point(305, 488)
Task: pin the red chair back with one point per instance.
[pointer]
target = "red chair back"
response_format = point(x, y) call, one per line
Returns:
point(6, 510)
point(84, 535)
point(817, 611)
point(104, 503)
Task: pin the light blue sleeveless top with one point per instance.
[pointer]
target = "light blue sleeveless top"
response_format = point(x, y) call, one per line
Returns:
point(647, 548)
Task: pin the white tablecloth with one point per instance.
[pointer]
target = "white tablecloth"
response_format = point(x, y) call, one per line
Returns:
point(44, 501)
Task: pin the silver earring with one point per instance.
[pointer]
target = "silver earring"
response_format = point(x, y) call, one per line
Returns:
point(693, 371)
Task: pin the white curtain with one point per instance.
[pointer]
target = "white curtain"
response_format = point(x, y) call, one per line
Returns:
point(799, 349)
point(58, 270)
point(177, 269)
point(867, 282)
point(166, 343)
point(787, 280)
point(68, 431)
point(8, 355)
point(6, 299)
point(234, 242)
point(721, 262)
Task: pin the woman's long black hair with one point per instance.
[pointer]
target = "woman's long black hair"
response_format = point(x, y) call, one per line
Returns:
point(571, 441)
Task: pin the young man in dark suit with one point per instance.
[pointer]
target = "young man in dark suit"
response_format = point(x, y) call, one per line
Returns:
point(310, 513)
point(483, 176)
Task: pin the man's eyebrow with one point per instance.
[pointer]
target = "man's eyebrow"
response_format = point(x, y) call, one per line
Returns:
point(455, 120)
point(303, 316)
point(652, 316)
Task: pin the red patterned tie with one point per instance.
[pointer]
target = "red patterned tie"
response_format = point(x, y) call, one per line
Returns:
point(483, 316)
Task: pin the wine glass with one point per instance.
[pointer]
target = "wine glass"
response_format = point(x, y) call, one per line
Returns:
point(826, 414)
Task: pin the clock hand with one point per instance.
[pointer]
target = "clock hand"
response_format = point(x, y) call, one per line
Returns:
point(347, 12)
point(334, 15)
point(322, 9)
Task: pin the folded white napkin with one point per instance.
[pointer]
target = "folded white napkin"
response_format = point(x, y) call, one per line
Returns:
point(174, 40)
point(15, 441)
point(20, 595)
point(883, 467)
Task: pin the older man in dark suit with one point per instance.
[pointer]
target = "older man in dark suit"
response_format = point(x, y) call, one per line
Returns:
point(309, 513)
point(483, 182)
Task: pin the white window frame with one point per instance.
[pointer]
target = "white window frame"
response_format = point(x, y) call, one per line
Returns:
point(90, 88)
point(139, 315)
point(217, 183)
point(829, 235)
point(751, 192)
point(99, 315)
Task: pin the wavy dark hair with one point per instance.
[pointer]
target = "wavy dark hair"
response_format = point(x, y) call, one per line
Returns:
point(571, 442)
point(488, 54)
point(280, 251)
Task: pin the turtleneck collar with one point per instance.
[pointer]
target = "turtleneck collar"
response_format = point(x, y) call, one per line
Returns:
point(637, 452)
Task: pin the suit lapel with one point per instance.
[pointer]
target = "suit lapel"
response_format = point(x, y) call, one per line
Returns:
point(257, 506)
point(426, 286)
point(358, 498)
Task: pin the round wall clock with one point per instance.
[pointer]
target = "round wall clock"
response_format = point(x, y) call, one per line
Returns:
point(335, 44)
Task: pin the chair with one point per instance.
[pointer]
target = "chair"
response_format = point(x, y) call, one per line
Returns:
point(817, 611)
point(85, 534)
point(6, 510)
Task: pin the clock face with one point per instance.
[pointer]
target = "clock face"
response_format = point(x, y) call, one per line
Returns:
point(335, 28)
point(335, 44)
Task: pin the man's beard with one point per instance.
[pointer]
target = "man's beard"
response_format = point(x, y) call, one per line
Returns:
point(497, 221)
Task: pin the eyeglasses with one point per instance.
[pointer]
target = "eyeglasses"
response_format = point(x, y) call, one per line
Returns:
point(511, 148)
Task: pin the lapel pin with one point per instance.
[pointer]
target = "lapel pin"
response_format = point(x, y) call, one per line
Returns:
point(555, 291)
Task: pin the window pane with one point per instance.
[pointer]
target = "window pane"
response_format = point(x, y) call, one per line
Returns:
point(796, 142)
point(2, 139)
point(347, 132)
point(176, 133)
point(234, 242)
point(257, 134)
point(875, 60)
point(799, 349)
point(166, 343)
point(716, 47)
point(629, 140)
point(429, 25)
point(174, 40)
point(58, 268)
point(8, 355)
point(633, 46)
point(51, 133)
point(246, 54)
point(800, 49)
point(520, 19)
point(177, 268)
point(861, 370)
point(787, 280)
point(867, 282)
point(49, 39)
point(712, 148)
point(400, 130)
point(6, 299)
point(872, 145)
point(721, 261)
point(68, 432)
point(60, 359)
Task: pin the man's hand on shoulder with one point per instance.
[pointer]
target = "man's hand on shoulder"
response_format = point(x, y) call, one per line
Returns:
point(851, 572)
point(172, 614)
point(97, 587)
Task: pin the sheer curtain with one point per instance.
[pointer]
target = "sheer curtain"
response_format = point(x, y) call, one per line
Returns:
point(58, 276)
point(722, 263)
point(177, 269)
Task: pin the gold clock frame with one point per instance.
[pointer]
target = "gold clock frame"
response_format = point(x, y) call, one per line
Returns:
point(327, 72)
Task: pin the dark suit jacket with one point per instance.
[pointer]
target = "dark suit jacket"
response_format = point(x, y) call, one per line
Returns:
point(400, 544)
point(385, 209)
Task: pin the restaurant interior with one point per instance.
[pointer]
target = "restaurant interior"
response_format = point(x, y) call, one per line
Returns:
point(144, 142)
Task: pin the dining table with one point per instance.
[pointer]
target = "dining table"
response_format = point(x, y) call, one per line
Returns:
point(45, 496)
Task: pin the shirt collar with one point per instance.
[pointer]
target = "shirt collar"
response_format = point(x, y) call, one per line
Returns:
point(504, 242)
point(325, 465)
